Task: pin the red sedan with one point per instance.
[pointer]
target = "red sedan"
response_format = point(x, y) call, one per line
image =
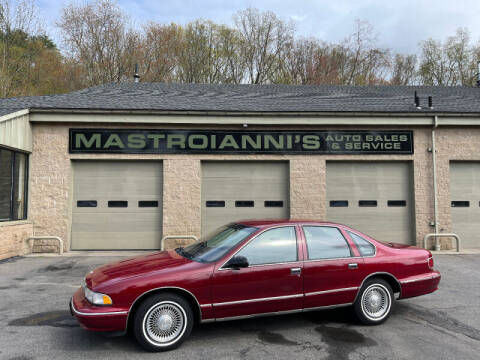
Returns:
point(249, 269)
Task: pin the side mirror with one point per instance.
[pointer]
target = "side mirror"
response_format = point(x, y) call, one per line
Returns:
point(237, 262)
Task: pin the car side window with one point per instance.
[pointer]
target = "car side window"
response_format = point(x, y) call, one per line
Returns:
point(325, 243)
point(364, 247)
point(273, 246)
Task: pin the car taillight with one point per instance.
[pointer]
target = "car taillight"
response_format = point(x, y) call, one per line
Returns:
point(430, 263)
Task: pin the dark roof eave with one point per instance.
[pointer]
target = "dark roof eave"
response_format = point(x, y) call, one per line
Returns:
point(419, 113)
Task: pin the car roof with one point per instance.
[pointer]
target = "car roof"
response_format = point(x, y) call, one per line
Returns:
point(270, 222)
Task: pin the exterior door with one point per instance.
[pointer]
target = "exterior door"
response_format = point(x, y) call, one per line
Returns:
point(239, 190)
point(332, 275)
point(117, 205)
point(271, 283)
point(465, 201)
point(374, 197)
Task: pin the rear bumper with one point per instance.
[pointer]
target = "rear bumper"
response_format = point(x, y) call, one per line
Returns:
point(420, 284)
point(97, 318)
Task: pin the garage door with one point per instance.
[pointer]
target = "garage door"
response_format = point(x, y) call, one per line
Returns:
point(465, 202)
point(373, 197)
point(117, 205)
point(234, 191)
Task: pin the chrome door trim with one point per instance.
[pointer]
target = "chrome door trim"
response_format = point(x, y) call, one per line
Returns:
point(326, 307)
point(221, 268)
point(331, 291)
point(276, 313)
point(258, 300)
point(261, 265)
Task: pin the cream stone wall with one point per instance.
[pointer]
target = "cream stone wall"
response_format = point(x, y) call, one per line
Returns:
point(13, 236)
point(51, 179)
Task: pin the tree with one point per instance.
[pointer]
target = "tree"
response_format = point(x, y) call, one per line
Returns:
point(159, 51)
point(448, 63)
point(97, 36)
point(18, 49)
point(263, 38)
point(362, 62)
point(404, 70)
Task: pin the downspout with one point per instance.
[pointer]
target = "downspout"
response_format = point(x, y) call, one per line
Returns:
point(435, 201)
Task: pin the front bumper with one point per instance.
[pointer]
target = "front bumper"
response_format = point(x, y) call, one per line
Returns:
point(97, 318)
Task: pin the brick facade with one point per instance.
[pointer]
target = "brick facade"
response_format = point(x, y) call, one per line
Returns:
point(51, 181)
point(13, 237)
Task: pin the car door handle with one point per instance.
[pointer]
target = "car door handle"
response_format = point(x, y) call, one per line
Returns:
point(296, 271)
point(353, 266)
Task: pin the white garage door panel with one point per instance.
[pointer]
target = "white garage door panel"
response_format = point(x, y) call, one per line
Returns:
point(103, 227)
point(465, 186)
point(378, 181)
point(251, 181)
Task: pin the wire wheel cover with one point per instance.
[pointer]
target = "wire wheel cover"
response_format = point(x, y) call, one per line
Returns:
point(376, 302)
point(164, 322)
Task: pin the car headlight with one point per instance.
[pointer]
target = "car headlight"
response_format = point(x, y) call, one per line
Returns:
point(96, 298)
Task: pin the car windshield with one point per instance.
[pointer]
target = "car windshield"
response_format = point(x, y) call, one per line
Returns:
point(218, 244)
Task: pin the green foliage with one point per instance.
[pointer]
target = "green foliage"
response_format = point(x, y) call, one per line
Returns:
point(260, 48)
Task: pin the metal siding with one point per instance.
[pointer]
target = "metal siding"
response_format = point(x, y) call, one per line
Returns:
point(232, 181)
point(380, 181)
point(465, 186)
point(103, 228)
point(16, 132)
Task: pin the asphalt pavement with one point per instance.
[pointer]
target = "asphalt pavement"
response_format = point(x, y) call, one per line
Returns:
point(36, 323)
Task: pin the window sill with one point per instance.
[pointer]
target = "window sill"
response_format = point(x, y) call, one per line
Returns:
point(15, 222)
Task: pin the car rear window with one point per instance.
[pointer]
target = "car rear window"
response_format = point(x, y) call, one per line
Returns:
point(365, 247)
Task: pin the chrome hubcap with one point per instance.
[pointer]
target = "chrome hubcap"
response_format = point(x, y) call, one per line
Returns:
point(164, 323)
point(376, 302)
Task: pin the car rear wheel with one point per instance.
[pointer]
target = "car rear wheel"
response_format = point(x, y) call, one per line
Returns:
point(163, 322)
point(374, 302)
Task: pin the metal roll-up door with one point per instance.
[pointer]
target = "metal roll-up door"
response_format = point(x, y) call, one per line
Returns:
point(373, 197)
point(233, 191)
point(117, 205)
point(465, 202)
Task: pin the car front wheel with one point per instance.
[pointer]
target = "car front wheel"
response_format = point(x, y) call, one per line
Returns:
point(163, 322)
point(374, 302)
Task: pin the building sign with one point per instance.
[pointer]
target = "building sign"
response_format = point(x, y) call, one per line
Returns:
point(239, 142)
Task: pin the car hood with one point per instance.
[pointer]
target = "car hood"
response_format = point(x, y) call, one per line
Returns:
point(157, 262)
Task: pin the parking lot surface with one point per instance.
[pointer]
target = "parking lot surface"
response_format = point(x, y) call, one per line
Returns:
point(36, 323)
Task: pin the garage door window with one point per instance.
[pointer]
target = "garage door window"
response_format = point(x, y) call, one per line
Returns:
point(325, 243)
point(147, 203)
point(87, 203)
point(273, 246)
point(13, 185)
point(244, 203)
point(338, 203)
point(364, 247)
point(118, 204)
point(460, 203)
point(367, 203)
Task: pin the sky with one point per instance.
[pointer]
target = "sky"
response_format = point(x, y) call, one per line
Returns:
point(399, 24)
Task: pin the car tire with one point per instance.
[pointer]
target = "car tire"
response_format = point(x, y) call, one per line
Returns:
point(162, 322)
point(374, 302)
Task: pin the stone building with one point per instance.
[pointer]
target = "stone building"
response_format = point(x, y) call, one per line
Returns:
point(122, 166)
